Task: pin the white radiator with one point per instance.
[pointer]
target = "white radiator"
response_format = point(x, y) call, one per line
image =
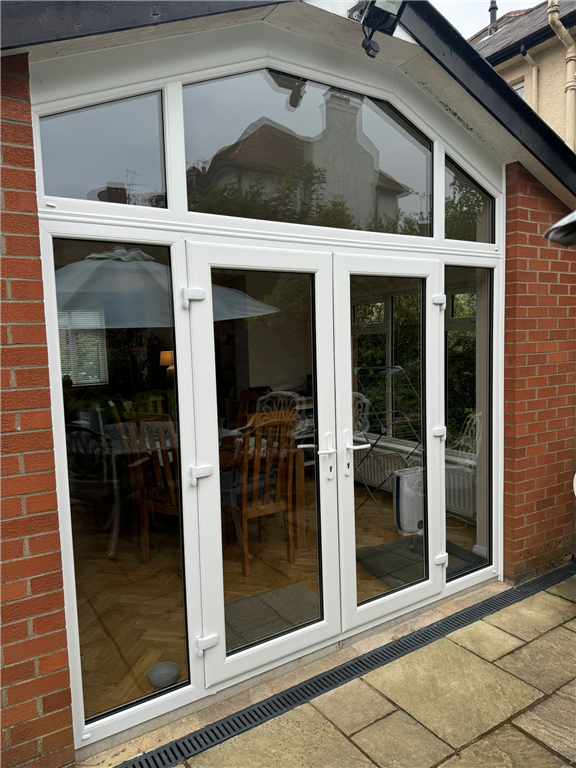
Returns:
point(376, 468)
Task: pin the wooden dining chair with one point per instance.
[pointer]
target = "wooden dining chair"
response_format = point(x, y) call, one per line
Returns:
point(262, 480)
point(152, 457)
point(247, 406)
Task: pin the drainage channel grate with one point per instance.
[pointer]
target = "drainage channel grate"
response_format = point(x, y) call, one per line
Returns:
point(182, 749)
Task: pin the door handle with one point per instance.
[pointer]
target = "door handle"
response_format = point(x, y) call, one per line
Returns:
point(349, 446)
point(328, 451)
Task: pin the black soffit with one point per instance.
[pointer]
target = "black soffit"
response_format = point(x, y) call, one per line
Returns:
point(27, 23)
point(176, 752)
point(33, 22)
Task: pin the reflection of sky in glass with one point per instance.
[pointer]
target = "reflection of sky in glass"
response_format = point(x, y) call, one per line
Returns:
point(217, 112)
point(85, 149)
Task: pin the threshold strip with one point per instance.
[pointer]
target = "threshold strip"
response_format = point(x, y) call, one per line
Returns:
point(199, 741)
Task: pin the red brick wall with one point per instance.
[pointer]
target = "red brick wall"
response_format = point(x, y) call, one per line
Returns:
point(36, 718)
point(540, 382)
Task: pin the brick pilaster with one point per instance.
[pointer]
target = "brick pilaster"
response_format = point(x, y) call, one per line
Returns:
point(36, 716)
point(540, 382)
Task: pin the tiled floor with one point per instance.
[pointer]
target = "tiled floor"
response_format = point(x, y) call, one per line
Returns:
point(500, 693)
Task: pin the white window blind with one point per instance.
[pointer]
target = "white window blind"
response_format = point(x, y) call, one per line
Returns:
point(83, 346)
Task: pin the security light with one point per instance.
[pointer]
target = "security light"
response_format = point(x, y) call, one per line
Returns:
point(375, 16)
point(564, 231)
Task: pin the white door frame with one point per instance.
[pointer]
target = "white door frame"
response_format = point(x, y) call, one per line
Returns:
point(395, 265)
point(201, 257)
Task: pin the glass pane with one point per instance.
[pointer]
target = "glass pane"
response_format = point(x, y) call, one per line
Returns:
point(468, 372)
point(266, 389)
point(388, 413)
point(122, 436)
point(469, 209)
point(112, 152)
point(265, 145)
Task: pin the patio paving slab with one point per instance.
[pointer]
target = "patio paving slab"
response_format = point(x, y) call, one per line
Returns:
point(397, 631)
point(353, 706)
point(302, 738)
point(454, 693)
point(571, 625)
point(399, 741)
point(532, 617)
point(485, 640)
point(505, 748)
point(552, 722)
point(566, 589)
point(472, 598)
point(569, 691)
point(546, 663)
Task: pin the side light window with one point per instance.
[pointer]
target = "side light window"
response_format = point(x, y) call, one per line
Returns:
point(113, 152)
point(469, 209)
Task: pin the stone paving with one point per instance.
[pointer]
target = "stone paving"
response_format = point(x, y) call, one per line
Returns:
point(500, 693)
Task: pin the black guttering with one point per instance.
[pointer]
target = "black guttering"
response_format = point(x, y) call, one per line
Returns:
point(446, 46)
point(26, 23)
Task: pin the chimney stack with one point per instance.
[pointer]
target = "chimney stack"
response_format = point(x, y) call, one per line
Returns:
point(493, 17)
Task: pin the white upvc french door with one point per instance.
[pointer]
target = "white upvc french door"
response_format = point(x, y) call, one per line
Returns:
point(286, 306)
point(389, 414)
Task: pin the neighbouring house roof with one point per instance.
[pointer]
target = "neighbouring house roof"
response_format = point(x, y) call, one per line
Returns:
point(528, 26)
point(541, 148)
point(270, 147)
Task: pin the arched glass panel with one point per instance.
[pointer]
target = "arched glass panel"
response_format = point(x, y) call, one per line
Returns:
point(266, 145)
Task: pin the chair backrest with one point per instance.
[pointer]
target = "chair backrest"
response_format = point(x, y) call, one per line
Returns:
point(360, 412)
point(88, 454)
point(279, 400)
point(470, 436)
point(267, 458)
point(153, 461)
point(246, 406)
point(151, 402)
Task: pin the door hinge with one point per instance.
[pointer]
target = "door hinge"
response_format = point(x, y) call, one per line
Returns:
point(441, 559)
point(439, 432)
point(205, 470)
point(191, 294)
point(203, 643)
point(440, 300)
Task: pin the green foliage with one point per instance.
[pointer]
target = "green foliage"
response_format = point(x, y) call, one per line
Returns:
point(464, 207)
point(298, 197)
point(460, 381)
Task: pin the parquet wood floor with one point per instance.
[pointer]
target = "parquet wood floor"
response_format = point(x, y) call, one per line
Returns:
point(131, 613)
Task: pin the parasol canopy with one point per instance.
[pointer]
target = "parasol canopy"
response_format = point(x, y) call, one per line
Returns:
point(128, 289)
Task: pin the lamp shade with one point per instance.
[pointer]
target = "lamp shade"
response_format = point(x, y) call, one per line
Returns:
point(167, 358)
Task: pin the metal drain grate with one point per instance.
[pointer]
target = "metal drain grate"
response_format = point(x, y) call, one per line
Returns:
point(182, 749)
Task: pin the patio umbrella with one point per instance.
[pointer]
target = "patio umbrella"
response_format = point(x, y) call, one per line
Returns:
point(129, 289)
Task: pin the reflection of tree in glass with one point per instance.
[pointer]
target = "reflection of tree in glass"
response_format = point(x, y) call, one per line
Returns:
point(375, 379)
point(407, 355)
point(463, 209)
point(461, 381)
point(291, 295)
point(297, 196)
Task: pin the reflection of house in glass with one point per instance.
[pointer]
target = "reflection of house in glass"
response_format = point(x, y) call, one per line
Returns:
point(271, 170)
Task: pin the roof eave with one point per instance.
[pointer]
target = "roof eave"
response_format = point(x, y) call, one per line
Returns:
point(474, 73)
